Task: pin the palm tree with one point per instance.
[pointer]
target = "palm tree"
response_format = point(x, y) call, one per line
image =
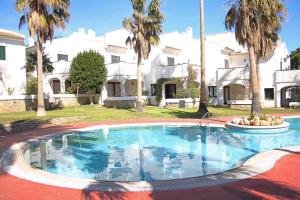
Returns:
point(256, 25)
point(31, 63)
point(42, 17)
point(145, 27)
point(270, 23)
point(202, 105)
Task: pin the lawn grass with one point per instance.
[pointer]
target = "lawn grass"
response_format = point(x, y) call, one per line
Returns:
point(100, 113)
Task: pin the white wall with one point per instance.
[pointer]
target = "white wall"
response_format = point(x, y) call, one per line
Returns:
point(13, 75)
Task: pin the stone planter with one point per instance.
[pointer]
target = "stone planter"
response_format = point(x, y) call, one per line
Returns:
point(258, 129)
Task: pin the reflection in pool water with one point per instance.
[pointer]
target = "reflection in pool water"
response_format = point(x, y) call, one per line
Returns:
point(152, 153)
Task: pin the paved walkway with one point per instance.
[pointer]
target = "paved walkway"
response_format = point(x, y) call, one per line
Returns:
point(282, 182)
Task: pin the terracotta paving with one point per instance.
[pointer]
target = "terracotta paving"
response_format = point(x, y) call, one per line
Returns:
point(281, 182)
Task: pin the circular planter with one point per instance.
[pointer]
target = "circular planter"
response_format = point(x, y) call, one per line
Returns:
point(259, 129)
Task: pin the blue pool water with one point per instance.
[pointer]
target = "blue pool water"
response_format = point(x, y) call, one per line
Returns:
point(151, 153)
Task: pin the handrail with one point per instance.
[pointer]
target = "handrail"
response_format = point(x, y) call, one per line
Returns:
point(209, 117)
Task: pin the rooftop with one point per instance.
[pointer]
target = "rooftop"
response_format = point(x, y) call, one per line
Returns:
point(11, 35)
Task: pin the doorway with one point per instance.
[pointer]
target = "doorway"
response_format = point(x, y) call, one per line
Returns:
point(226, 94)
point(170, 91)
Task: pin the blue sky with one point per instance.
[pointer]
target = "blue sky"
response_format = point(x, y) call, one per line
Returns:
point(107, 15)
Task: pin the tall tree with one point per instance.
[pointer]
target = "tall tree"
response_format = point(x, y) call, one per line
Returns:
point(270, 24)
point(295, 59)
point(42, 17)
point(88, 72)
point(202, 105)
point(145, 26)
point(256, 24)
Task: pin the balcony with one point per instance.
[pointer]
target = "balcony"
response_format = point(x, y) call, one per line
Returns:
point(287, 76)
point(177, 71)
point(128, 70)
point(231, 74)
point(121, 69)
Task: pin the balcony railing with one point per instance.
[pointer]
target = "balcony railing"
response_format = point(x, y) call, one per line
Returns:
point(121, 69)
point(177, 71)
point(287, 76)
point(126, 69)
point(236, 73)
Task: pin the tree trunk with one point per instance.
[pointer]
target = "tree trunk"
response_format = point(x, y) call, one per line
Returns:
point(202, 105)
point(258, 82)
point(91, 99)
point(40, 101)
point(139, 103)
point(255, 107)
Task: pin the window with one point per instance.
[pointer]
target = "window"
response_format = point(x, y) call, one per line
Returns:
point(226, 63)
point(171, 61)
point(115, 59)
point(62, 57)
point(2, 53)
point(269, 93)
point(153, 89)
point(212, 91)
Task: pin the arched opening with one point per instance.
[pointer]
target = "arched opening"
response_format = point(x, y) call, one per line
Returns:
point(55, 85)
point(113, 88)
point(290, 94)
point(234, 92)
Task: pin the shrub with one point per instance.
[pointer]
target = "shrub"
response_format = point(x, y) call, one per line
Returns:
point(31, 87)
point(71, 90)
point(10, 91)
point(88, 70)
point(145, 93)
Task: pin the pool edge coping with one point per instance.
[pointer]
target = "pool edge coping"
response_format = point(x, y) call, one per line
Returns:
point(257, 164)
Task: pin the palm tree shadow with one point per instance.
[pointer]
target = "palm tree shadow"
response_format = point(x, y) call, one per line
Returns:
point(182, 113)
point(92, 192)
point(259, 188)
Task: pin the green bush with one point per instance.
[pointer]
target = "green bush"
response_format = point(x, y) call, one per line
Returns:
point(10, 91)
point(145, 93)
point(88, 70)
point(71, 90)
point(31, 87)
point(182, 93)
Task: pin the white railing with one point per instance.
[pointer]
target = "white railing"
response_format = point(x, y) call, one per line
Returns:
point(236, 73)
point(121, 69)
point(177, 71)
point(288, 76)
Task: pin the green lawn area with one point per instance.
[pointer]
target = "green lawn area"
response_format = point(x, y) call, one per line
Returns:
point(99, 113)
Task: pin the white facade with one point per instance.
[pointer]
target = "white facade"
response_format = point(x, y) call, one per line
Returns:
point(12, 60)
point(227, 65)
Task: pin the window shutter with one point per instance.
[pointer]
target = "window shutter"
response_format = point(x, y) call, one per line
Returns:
point(2, 53)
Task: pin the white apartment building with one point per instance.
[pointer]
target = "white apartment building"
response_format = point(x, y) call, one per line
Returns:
point(227, 65)
point(12, 60)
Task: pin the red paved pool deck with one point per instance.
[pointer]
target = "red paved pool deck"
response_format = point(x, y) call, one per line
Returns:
point(281, 182)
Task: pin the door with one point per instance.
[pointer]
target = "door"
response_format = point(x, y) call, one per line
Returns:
point(170, 91)
point(226, 93)
point(113, 89)
point(56, 86)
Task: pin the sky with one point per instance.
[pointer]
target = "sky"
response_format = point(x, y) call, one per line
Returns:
point(107, 15)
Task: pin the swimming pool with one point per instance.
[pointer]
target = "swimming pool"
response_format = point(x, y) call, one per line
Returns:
point(153, 152)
